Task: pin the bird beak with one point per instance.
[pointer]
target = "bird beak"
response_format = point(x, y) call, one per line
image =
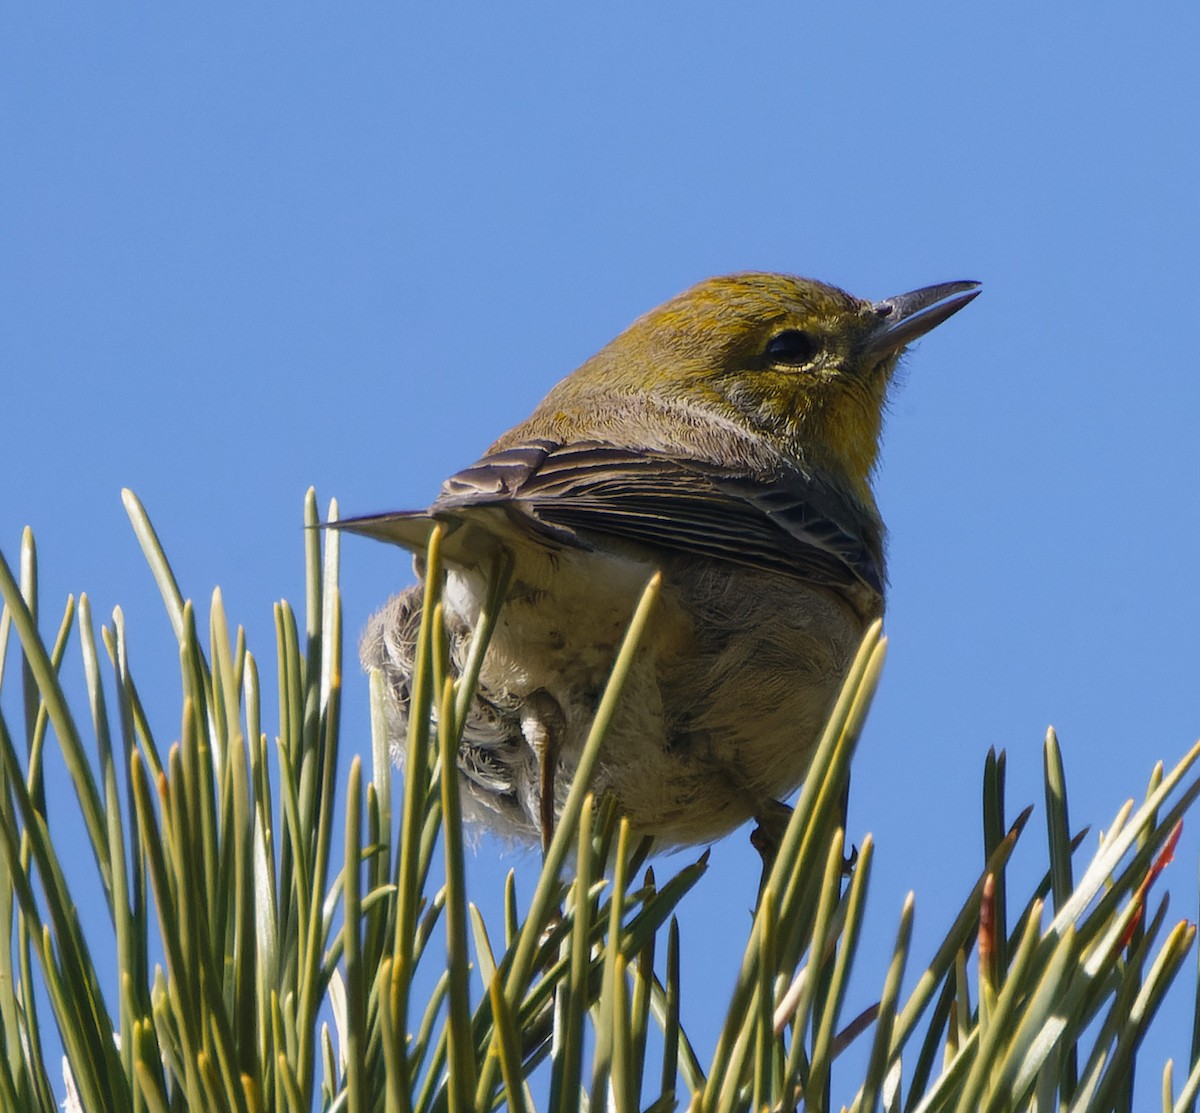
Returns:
point(904, 318)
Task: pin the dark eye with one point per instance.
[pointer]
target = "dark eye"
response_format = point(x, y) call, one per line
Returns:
point(792, 346)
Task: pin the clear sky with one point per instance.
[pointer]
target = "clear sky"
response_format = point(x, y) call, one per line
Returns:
point(246, 252)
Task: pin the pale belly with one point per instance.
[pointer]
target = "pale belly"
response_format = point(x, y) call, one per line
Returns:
point(730, 691)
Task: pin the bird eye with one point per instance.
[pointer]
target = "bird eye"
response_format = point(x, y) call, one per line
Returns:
point(793, 346)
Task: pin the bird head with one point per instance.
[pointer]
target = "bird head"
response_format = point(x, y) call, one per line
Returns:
point(789, 365)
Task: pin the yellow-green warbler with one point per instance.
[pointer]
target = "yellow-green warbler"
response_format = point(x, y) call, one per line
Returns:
point(727, 438)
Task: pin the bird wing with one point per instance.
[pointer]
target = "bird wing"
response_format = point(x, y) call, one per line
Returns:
point(577, 493)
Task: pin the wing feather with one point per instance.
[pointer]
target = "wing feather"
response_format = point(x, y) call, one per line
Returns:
point(783, 523)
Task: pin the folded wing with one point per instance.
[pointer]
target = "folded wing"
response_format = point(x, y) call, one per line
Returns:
point(578, 494)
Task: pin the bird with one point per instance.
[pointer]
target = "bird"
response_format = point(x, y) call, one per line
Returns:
point(727, 440)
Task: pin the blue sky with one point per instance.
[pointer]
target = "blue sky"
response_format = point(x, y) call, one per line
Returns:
point(246, 252)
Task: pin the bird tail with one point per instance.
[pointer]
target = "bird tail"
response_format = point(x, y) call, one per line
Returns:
point(410, 528)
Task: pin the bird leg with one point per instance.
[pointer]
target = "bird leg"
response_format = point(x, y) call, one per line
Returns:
point(543, 723)
point(768, 835)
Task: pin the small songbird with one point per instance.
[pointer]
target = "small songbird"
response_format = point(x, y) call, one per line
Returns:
point(727, 438)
